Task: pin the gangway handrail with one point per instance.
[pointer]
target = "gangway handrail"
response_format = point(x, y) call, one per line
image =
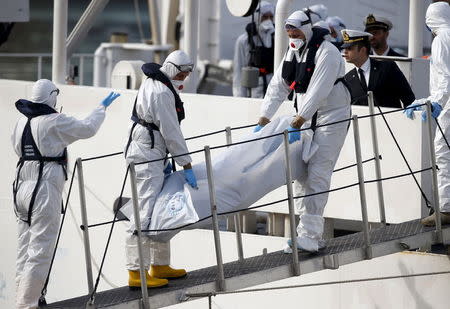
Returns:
point(360, 182)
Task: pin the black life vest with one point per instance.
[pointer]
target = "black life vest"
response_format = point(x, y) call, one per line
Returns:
point(151, 70)
point(30, 151)
point(298, 74)
point(261, 57)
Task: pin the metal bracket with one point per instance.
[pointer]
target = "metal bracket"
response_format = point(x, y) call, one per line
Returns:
point(331, 261)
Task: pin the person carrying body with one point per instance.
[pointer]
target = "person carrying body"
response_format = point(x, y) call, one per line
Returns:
point(388, 84)
point(336, 24)
point(438, 21)
point(314, 69)
point(40, 138)
point(379, 27)
point(154, 132)
point(255, 48)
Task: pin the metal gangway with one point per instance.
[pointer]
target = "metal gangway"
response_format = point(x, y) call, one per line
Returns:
point(247, 272)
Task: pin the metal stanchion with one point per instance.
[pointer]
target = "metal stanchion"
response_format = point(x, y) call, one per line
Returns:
point(362, 189)
point(137, 224)
point(212, 198)
point(236, 216)
point(376, 154)
point(434, 182)
point(287, 162)
point(84, 222)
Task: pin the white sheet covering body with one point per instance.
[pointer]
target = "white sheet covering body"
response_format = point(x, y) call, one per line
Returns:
point(242, 175)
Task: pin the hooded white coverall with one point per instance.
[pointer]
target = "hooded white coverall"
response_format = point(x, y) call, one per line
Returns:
point(155, 104)
point(332, 103)
point(438, 20)
point(242, 53)
point(52, 133)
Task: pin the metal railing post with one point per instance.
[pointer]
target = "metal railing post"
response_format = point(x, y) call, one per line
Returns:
point(84, 222)
point(362, 189)
point(434, 182)
point(237, 216)
point(137, 224)
point(287, 162)
point(376, 154)
point(81, 72)
point(212, 198)
point(39, 67)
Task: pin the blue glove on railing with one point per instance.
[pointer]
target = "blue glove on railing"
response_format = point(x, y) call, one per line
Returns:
point(436, 109)
point(409, 111)
point(168, 169)
point(257, 128)
point(293, 136)
point(190, 178)
point(110, 98)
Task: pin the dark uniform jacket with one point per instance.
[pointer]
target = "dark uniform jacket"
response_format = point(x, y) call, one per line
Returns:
point(391, 53)
point(386, 81)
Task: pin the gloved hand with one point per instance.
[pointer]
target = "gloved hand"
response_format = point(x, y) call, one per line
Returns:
point(110, 98)
point(436, 109)
point(168, 169)
point(257, 128)
point(414, 106)
point(190, 178)
point(294, 134)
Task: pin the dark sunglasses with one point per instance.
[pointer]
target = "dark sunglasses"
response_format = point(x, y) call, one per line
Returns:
point(183, 67)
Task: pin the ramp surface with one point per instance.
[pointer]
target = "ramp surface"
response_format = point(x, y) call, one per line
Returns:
point(270, 267)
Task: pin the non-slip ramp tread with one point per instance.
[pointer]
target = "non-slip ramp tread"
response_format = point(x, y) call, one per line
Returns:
point(252, 265)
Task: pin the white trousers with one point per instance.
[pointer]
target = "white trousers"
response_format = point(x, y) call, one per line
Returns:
point(36, 244)
point(443, 160)
point(150, 180)
point(320, 169)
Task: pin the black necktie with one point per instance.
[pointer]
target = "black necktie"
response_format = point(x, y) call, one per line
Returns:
point(362, 78)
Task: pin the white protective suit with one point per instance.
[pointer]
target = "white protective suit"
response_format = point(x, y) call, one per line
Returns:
point(52, 133)
point(242, 53)
point(155, 104)
point(438, 20)
point(332, 103)
point(337, 24)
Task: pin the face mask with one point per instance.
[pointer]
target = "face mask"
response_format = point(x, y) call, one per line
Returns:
point(296, 44)
point(266, 25)
point(177, 84)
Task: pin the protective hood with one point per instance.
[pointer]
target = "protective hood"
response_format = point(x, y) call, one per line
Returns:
point(44, 92)
point(266, 7)
point(31, 110)
point(317, 12)
point(338, 24)
point(438, 16)
point(177, 57)
point(300, 20)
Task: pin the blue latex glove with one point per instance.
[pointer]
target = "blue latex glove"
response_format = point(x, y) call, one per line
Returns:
point(190, 178)
point(257, 128)
point(168, 169)
point(409, 111)
point(436, 109)
point(293, 136)
point(110, 98)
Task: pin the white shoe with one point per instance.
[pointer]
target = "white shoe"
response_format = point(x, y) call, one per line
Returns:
point(302, 246)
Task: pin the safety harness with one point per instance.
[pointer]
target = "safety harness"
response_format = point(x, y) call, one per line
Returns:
point(151, 70)
point(261, 57)
point(298, 74)
point(30, 151)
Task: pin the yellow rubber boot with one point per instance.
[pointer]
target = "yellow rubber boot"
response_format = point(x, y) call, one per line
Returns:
point(165, 271)
point(134, 280)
